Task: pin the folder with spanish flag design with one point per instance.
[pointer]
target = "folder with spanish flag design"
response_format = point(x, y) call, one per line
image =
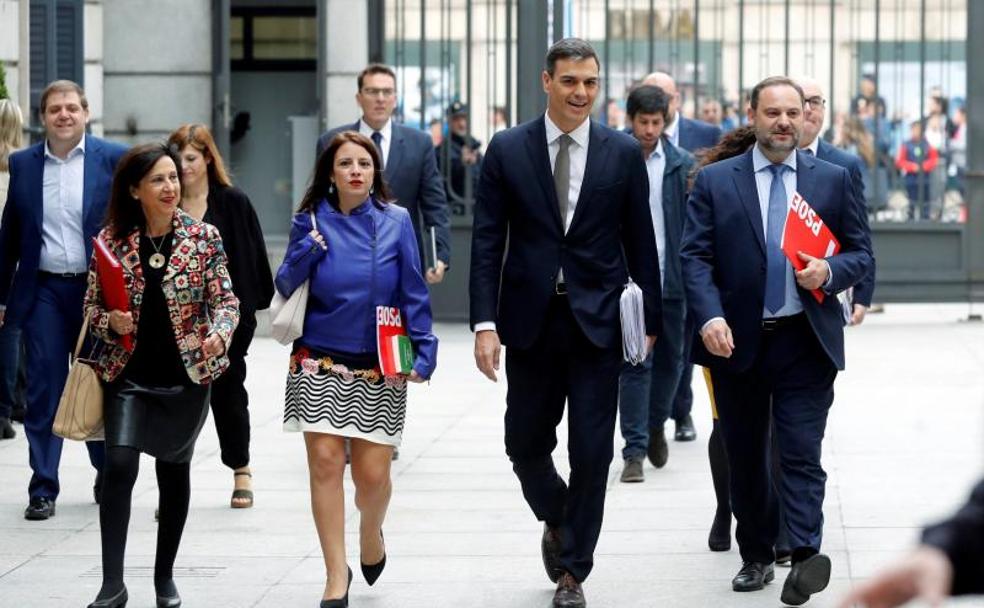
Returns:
point(392, 342)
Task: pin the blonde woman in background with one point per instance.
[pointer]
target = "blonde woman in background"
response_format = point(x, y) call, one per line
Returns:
point(11, 139)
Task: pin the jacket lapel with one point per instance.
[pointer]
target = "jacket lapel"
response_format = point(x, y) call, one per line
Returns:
point(90, 167)
point(748, 193)
point(396, 153)
point(37, 181)
point(536, 146)
point(804, 176)
point(593, 168)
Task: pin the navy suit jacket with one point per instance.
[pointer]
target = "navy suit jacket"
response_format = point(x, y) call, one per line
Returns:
point(724, 260)
point(20, 229)
point(610, 237)
point(412, 176)
point(694, 135)
point(865, 288)
point(675, 173)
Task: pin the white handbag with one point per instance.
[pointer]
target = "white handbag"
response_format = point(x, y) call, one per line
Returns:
point(287, 314)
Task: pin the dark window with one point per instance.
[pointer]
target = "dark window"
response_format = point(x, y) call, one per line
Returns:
point(56, 45)
point(282, 39)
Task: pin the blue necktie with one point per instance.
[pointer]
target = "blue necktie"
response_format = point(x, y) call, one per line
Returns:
point(377, 138)
point(775, 276)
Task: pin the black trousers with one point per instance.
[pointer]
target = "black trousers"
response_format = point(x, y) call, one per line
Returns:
point(563, 366)
point(788, 390)
point(230, 401)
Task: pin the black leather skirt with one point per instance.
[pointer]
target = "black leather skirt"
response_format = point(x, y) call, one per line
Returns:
point(161, 421)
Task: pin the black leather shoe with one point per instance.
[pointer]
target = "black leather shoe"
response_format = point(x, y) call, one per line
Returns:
point(550, 549)
point(97, 488)
point(17, 414)
point(685, 430)
point(167, 594)
point(658, 451)
point(569, 593)
point(806, 578)
point(753, 576)
point(719, 538)
point(117, 601)
point(6, 429)
point(341, 602)
point(40, 508)
point(371, 573)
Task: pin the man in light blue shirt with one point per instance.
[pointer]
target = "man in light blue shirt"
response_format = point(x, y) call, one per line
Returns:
point(55, 206)
point(647, 390)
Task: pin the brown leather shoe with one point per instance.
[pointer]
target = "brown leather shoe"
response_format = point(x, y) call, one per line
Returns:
point(569, 593)
point(550, 549)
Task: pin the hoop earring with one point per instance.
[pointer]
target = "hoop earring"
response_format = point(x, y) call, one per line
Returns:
point(331, 188)
point(371, 188)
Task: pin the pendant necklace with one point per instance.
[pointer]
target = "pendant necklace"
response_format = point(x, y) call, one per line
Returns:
point(157, 259)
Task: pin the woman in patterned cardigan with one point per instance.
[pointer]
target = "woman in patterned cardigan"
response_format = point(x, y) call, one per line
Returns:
point(181, 318)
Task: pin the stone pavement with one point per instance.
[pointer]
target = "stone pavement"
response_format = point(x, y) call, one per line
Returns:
point(904, 445)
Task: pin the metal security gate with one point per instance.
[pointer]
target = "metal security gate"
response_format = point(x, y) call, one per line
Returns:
point(884, 64)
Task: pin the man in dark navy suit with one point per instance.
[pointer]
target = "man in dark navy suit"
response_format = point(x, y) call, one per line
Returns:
point(812, 143)
point(772, 349)
point(409, 165)
point(57, 200)
point(565, 202)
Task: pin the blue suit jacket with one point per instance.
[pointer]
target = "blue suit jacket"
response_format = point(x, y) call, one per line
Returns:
point(610, 237)
point(865, 288)
point(724, 260)
point(411, 173)
point(697, 135)
point(20, 230)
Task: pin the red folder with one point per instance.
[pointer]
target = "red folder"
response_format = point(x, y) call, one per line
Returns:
point(111, 282)
point(806, 231)
point(393, 343)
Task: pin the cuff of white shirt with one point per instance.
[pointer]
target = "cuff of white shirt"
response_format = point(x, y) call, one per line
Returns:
point(709, 321)
point(830, 278)
point(485, 326)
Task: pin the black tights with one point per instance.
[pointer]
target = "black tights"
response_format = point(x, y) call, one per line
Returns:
point(119, 475)
point(719, 472)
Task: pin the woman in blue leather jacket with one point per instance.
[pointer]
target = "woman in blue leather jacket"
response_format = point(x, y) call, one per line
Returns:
point(358, 253)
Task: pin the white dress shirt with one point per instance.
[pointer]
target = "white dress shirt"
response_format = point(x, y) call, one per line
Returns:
point(672, 130)
point(63, 241)
point(656, 166)
point(578, 153)
point(387, 133)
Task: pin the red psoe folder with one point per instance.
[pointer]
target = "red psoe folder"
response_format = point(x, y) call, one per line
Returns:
point(806, 231)
point(111, 283)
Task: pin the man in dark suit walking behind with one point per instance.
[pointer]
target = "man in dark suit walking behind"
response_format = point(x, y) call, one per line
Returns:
point(409, 165)
point(772, 349)
point(571, 196)
point(56, 204)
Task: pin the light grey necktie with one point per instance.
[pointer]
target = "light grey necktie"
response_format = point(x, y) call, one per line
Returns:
point(562, 177)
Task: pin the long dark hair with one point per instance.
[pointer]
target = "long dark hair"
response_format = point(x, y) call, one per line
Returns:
point(320, 182)
point(124, 214)
point(732, 144)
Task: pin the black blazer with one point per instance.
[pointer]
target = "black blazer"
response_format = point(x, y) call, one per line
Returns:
point(516, 202)
point(962, 538)
point(411, 174)
point(724, 258)
point(865, 289)
point(230, 211)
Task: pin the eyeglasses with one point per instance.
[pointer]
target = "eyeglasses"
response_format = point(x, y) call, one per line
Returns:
point(373, 92)
point(816, 102)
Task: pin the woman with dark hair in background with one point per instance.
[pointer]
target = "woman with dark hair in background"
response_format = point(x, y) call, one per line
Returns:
point(181, 318)
point(360, 254)
point(208, 195)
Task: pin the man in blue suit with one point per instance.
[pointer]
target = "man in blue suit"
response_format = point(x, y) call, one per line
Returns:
point(561, 221)
point(694, 136)
point(409, 165)
point(647, 390)
point(56, 204)
point(773, 351)
point(812, 143)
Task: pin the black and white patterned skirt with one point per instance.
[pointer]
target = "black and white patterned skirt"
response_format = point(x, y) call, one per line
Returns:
point(324, 396)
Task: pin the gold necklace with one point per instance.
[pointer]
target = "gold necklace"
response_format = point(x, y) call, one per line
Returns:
point(157, 259)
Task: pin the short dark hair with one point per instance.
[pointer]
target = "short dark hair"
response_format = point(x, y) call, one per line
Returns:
point(376, 68)
point(774, 81)
point(569, 48)
point(648, 99)
point(63, 86)
point(123, 214)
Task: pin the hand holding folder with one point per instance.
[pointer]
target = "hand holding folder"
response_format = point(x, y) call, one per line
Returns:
point(110, 273)
point(806, 232)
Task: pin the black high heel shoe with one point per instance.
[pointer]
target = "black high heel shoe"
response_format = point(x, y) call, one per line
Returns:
point(341, 602)
point(117, 601)
point(371, 573)
point(169, 598)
